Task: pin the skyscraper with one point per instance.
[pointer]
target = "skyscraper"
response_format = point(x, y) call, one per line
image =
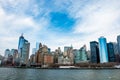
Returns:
point(111, 54)
point(118, 41)
point(103, 50)
point(77, 58)
point(23, 50)
point(67, 50)
point(37, 46)
point(94, 52)
point(7, 53)
point(83, 54)
point(115, 48)
point(34, 50)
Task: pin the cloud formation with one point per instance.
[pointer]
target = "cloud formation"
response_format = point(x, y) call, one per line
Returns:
point(58, 23)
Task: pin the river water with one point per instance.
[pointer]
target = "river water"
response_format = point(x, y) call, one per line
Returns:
point(58, 74)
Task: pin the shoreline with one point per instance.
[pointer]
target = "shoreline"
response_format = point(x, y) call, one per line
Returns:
point(82, 68)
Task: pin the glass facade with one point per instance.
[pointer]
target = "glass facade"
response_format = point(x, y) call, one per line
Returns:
point(23, 50)
point(83, 53)
point(103, 50)
point(111, 54)
point(76, 56)
point(37, 46)
point(7, 53)
point(94, 52)
point(118, 41)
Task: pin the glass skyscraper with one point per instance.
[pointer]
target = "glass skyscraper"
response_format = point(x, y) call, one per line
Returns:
point(118, 41)
point(103, 50)
point(23, 50)
point(94, 52)
point(83, 53)
point(111, 52)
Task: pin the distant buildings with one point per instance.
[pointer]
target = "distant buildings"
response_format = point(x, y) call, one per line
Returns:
point(103, 50)
point(80, 55)
point(7, 53)
point(42, 56)
point(23, 50)
point(10, 57)
point(68, 55)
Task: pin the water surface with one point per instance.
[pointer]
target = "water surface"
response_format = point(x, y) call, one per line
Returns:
point(58, 74)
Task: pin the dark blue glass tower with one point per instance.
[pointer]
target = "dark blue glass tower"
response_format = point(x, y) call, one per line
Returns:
point(94, 52)
point(118, 41)
point(111, 53)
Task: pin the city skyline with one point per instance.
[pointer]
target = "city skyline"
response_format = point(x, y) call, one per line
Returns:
point(58, 23)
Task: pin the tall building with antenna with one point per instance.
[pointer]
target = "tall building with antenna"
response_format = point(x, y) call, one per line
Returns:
point(23, 50)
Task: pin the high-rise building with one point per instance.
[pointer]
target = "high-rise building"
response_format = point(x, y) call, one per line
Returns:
point(37, 46)
point(34, 51)
point(83, 53)
point(49, 50)
point(94, 52)
point(115, 48)
point(7, 53)
point(111, 54)
point(23, 50)
point(68, 53)
point(15, 56)
point(67, 50)
point(80, 55)
point(76, 56)
point(103, 50)
point(118, 42)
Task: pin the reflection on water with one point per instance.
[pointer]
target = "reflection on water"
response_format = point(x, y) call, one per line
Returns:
point(55, 74)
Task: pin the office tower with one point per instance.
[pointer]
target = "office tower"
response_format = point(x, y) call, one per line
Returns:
point(34, 51)
point(118, 42)
point(77, 58)
point(83, 53)
point(42, 51)
point(48, 59)
point(37, 46)
point(12, 51)
point(23, 50)
point(7, 53)
point(59, 51)
point(67, 50)
point(88, 55)
point(49, 50)
point(38, 55)
point(15, 56)
point(111, 54)
point(115, 48)
point(32, 59)
point(103, 50)
point(68, 53)
point(117, 55)
point(94, 50)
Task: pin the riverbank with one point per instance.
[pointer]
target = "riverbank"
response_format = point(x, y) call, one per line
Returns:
point(80, 68)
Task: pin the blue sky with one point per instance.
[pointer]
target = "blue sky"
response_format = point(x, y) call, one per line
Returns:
point(58, 22)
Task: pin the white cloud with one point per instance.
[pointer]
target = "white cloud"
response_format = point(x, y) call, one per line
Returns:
point(94, 18)
point(97, 19)
point(11, 26)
